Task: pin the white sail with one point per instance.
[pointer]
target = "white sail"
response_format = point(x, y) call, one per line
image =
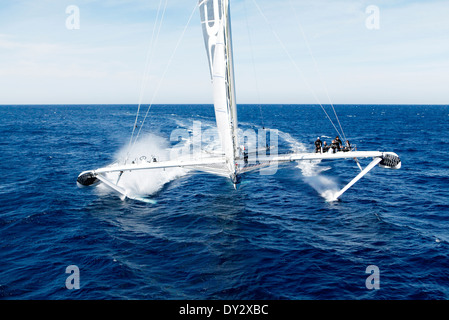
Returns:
point(216, 23)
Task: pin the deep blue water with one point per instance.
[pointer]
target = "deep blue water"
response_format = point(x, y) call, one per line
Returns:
point(273, 238)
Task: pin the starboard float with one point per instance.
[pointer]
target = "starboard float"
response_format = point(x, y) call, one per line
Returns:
point(232, 162)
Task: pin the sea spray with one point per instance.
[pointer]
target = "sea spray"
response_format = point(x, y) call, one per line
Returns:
point(146, 182)
point(191, 139)
point(326, 186)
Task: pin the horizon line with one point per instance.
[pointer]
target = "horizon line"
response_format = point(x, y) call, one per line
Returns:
point(211, 104)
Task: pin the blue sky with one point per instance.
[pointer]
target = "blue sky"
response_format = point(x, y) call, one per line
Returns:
point(405, 61)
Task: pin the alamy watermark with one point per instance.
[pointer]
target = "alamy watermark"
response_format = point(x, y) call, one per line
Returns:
point(72, 22)
point(72, 281)
point(256, 146)
point(372, 22)
point(373, 280)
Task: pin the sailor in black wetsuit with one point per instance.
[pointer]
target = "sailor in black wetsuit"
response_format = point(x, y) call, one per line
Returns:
point(245, 155)
point(325, 147)
point(339, 143)
point(318, 145)
point(334, 146)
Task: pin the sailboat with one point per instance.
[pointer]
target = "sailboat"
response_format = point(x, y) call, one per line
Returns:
point(233, 161)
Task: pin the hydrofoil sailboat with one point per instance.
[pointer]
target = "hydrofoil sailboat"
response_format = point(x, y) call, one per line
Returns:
point(233, 160)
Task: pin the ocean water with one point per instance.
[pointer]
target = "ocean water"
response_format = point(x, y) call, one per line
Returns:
point(276, 237)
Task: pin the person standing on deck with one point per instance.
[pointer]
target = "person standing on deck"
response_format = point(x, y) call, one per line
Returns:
point(339, 143)
point(318, 145)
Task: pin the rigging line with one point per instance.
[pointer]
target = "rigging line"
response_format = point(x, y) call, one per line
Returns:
point(149, 58)
point(316, 65)
point(253, 64)
point(159, 26)
point(165, 72)
point(294, 63)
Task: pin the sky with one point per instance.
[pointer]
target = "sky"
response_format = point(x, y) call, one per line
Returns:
point(285, 51)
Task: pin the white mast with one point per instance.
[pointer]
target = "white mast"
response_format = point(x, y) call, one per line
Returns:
point(216, 23)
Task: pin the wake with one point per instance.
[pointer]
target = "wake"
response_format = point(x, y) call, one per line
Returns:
point(326, 187)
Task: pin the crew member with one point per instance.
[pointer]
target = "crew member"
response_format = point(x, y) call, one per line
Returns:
point(339, 143)
point(347, 147)
point(318, 145)
point(334, 146)
point(245, 155)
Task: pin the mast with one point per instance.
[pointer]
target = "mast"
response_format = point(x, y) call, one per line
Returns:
point(216, 25)
point(231, 83)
